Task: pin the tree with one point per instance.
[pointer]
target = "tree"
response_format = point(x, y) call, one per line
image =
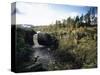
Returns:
point(58, 23)
point(90, 17)
point(64, 23)
point(77, 21)
point(81, 18)
point(93, 16)
point(87, 18)
point(70, 22)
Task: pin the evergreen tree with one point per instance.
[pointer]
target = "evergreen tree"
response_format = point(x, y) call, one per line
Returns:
point(64, 23)
point(77, 21)
point(58, 23)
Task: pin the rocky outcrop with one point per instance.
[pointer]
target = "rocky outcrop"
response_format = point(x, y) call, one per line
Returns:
point(47, 40)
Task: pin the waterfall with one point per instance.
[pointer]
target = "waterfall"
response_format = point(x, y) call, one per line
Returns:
point(35, 40)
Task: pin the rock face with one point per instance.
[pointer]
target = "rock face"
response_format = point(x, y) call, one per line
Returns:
point(26, 34)
point(29, 36)
point(47, 40)
point(24, 43)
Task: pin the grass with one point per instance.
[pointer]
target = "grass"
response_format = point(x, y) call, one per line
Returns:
point(81, 42)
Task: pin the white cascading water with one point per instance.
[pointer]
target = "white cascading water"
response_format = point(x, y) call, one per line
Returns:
point(35, 40)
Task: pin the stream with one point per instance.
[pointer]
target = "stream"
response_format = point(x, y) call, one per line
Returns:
point(42, 52)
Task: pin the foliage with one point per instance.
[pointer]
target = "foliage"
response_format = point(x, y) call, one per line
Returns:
point(77, 41)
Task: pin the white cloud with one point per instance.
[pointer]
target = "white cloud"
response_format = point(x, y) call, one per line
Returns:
point(39, 14)
point(34, 14)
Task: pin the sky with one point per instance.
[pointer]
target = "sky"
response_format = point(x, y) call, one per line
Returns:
point(45, 14)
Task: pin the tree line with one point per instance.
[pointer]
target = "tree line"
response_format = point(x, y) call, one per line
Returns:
point(88, 19)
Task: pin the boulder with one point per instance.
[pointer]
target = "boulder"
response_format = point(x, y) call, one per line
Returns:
point(26, 34)
point(47, 40)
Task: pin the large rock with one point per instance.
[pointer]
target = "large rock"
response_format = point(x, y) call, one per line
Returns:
point(47, 40)
point(26, 34)
point(29, 36)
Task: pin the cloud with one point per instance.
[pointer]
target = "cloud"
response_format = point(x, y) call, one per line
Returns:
point(39, 14)
point(34, 14)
